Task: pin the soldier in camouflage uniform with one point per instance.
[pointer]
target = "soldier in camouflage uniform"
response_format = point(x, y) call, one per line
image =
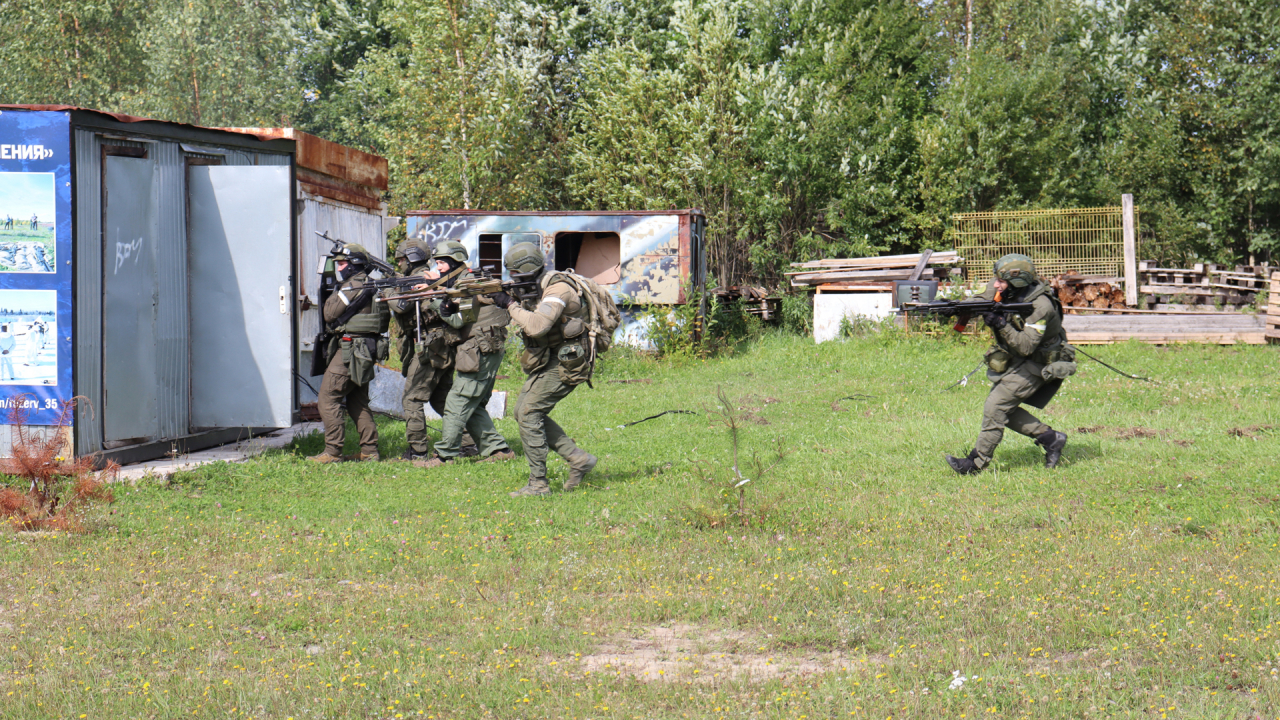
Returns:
point(476, 364)
point(553, 325)
point(354, 346)
point(428, 372)
point(1030, 359)
point(410, 257)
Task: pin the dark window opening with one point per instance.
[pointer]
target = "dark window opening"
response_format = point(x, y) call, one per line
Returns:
point(596, 255)
point(491, 254)
point(133, 151)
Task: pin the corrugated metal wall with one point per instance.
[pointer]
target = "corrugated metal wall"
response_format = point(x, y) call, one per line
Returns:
point(345, 222)
point(172, 312)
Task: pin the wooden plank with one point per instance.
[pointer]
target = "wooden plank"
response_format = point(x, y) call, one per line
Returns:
point(1106, 338)
point(894, 261)
point(1182, 290)
point(1087, 311)
point(1130, 251)
point(924, 260)
point(827, 277)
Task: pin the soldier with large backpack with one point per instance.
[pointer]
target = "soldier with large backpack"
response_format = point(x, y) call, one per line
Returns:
point(565, 323)
point(356, 342)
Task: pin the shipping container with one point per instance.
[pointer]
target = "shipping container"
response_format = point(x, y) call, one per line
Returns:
point(166, 273)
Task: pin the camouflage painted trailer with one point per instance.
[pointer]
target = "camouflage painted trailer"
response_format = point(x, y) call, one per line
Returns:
point(644, 258)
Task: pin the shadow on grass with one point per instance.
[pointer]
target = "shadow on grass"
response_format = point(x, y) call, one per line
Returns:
point(1033, 456)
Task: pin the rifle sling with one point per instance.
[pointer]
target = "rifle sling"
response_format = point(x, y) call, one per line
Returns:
point(360, 302)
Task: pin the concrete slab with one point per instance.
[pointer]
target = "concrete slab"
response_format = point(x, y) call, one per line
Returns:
point(387, 389)
point(235, 452)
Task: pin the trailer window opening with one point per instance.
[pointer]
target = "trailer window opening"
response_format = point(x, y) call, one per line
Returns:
point(491, 252)
point(597, 255)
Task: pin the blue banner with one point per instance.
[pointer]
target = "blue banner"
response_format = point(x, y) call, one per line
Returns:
point(35, 264)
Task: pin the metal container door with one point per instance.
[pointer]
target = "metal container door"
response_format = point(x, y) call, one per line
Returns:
point(130, 291)
point(241, 297)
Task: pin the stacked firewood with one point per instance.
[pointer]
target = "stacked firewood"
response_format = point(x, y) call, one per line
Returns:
point(1082, 291)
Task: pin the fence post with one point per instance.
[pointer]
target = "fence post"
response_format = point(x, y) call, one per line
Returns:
point(1130, 253)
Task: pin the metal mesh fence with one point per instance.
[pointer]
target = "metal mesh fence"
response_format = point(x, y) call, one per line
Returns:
point(1087, 240)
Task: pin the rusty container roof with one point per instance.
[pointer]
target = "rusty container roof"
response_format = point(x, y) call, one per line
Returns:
point(327, 157)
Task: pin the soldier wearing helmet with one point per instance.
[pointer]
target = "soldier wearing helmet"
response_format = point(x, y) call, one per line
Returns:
point(410, 256)
point(552, 322)
point(434, 327)
point(358, 326)
point(1027, 364)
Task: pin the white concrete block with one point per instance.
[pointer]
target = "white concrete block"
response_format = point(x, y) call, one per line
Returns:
point(830, 308)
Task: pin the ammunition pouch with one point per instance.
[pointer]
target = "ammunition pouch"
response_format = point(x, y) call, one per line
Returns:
point(437, 347)
point(362, 354)
point(491, 339)
point(1061, 363)
point(573, 327)
point(575, 363)
point(997, 360)
point(467, 359)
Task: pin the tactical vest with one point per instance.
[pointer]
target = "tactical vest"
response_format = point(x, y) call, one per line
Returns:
point(373, 319)
point(1054, 337)
point(572, 323)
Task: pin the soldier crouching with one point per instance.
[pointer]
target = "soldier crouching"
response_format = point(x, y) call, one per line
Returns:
point(1027, 365)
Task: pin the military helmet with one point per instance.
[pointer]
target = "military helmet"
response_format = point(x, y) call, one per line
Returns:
point(414, 251)
point(451, 249)
point(1016, 269)
point(524, 257)
point(354, 254)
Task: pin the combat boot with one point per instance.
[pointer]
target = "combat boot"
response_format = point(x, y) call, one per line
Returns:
point(1053, 442)
point(325, 458)
point(362, 457)
point(579, 465)
point(966, 464)
point(536, 486)
point(434, 462)
point(500, 456)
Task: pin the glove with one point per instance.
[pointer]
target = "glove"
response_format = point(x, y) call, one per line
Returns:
point(994, 320)
point(448, 307)
point(502, 299)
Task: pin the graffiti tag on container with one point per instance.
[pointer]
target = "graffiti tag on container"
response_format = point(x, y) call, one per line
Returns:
point(435, 231)
point(126, 250)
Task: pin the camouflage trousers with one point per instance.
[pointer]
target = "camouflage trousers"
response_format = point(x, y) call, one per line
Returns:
point(538, 432)
point(338, 395)
point(464, 409)
point(423, 384)
point(1003, 409)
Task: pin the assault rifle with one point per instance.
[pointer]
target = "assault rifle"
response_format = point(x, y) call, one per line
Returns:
point(964, 309)
point(340, 247)
point(520, 285)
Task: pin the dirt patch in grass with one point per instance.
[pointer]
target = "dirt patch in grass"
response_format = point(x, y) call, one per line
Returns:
point(1252, 432)
point(1133, 433)
point(632, 381)
point(689, 653)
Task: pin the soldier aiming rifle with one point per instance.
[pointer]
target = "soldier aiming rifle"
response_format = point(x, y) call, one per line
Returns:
point(1027, 364)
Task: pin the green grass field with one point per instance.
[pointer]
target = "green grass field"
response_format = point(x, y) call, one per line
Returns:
point(1138, 580)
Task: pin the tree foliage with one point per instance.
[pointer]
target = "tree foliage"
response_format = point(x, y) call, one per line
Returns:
point(803, 128)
